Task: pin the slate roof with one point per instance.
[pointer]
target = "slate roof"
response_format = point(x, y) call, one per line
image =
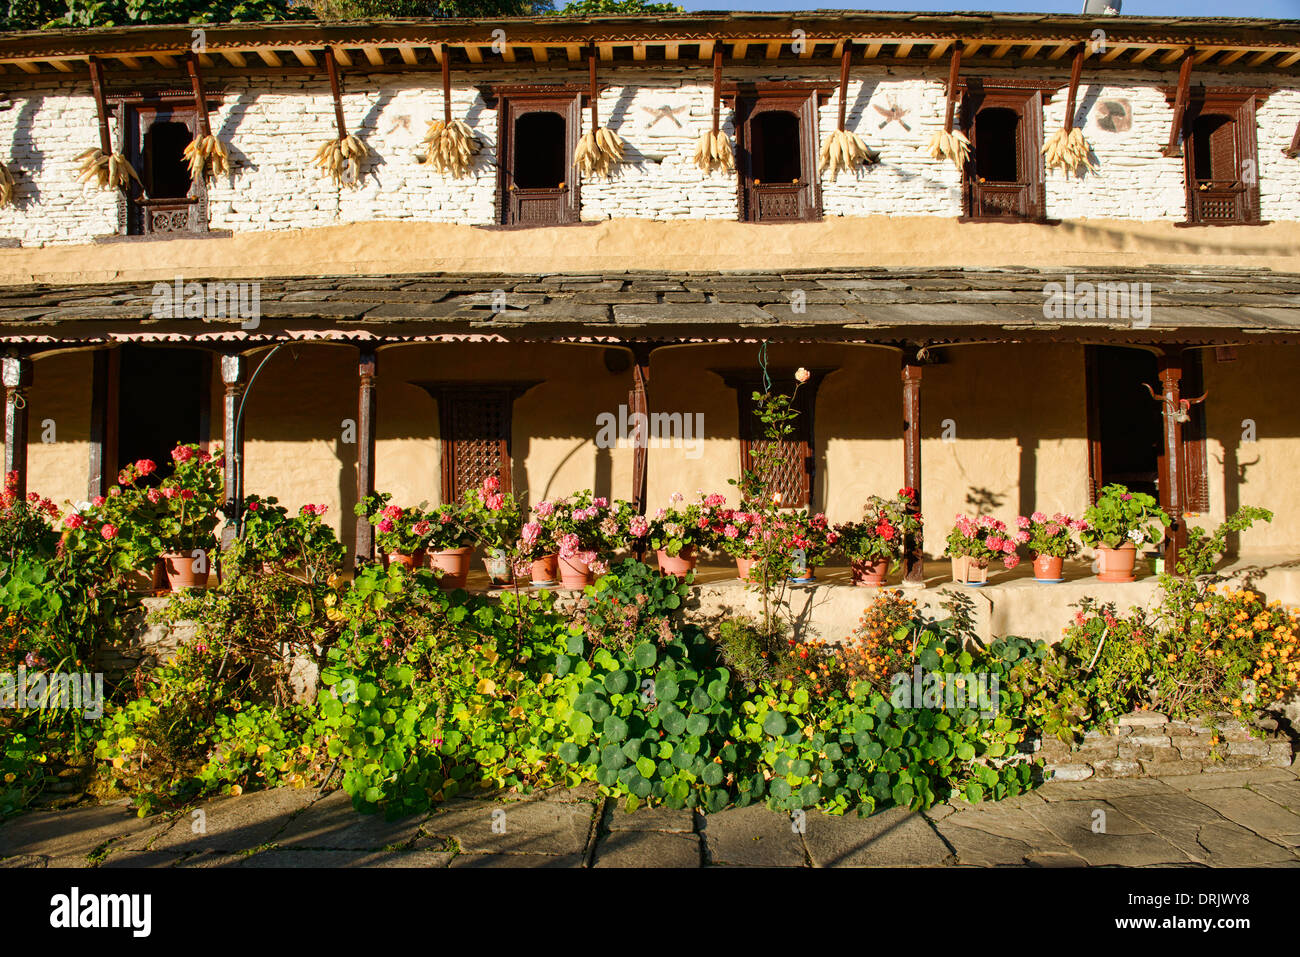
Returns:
point(1193, 303)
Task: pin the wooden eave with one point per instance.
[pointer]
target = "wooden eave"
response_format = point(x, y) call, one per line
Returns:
point(1154, 44)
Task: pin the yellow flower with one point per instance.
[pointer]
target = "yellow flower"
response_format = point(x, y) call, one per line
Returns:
point(262, 749)
point(236, 790)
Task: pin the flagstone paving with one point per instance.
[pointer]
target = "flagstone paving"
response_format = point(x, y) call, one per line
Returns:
point(1228, 819)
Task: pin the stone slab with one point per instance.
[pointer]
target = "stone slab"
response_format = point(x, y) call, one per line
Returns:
point(535, 827)
point(1199, 830)
point(646, 848)
point(616, 818)
point(1124, 842)
point(347, 858)
point(73, 833)
point(752, 837)
point(1255, 812)
point(234, 823)
point(332, 823)
point(517, 860)
point(897, 837)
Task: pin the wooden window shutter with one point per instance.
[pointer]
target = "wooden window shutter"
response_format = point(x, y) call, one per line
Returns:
point(796, 469)
point(475, 440)
point(1221, 158)
point(1196, 489)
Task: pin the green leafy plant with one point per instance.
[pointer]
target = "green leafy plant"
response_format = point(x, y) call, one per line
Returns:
point(880, 533)
point(1122, 517)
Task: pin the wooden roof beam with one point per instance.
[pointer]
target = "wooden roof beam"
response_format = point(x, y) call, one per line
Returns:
point(1289, 60)
point(61, 65)
point(773, 49)
point(971, 47)
point(1144, 54)
point(1259, 59)
point(873, 49)
point(269, 57)
point(1001, 50)
point(304, 56)
point(130, 62)
point(706, 50)
point(1114, 51)
point(739, 48)
point(1032, 50)
point(1061, 50)
point(638, 50)
point(940, 48)
point(672, 50)
point(1174, 55)
point(606, 50)
point(343, 57)
point(234, 58)
point(166, 59)
point(410, 57)
point(540, 54)
point(28, 66)
point(1203, 55)
point(1232, 56)
point(474, 52)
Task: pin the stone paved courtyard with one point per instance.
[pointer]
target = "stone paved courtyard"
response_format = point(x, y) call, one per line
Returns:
point(1226, 819)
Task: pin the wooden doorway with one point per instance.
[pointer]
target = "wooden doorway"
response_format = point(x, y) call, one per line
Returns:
point(163, 400)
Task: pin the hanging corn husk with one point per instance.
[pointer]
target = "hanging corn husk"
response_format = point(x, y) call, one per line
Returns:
point(598, 153)
point(450, 147)
point(208, 159)
point(713, 152)
point(952, 145)
point(844, 150)
point(108, 170)
point(1067, 150)
point(6, 187)
point(340, 159)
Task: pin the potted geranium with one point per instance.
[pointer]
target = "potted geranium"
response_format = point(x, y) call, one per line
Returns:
point(400, 533)
point(804, 537)
point(184, 514)
point(739, 534)
point(448, 543)
point(494, 520)
point(1051, 540)
point(679, 531)
point(1118, 524)
point(582, 527)
point(537, 554)
point(973, 544)
point(272, 539)
point(874, 544)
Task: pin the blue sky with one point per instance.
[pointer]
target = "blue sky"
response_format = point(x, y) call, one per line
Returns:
point(1289, 9)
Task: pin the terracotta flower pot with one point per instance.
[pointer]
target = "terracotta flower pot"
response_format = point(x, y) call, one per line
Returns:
point(743, 568)
point(1047, 568)
point(575, 574)
point(679, 564)
point(970, 571)
point(1116, 564)
point(868, 573)
point(408, 561)
point(454, 565)
point(181, 571)
point(545, 570)
point(497, 566)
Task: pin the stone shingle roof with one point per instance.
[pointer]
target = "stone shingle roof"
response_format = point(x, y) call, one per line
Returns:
point(832, 303)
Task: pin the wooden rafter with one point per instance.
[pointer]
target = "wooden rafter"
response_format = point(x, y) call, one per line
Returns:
point(336, 91)
point(1180, 105)
point(200, 100)
point(1076, 70)
point(954, 72)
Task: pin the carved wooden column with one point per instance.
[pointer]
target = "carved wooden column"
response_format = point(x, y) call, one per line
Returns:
point(16, 374)
point(1170, 370)
point(639, 412)
point(234, 375)
point(913, 550)
point(367, 408)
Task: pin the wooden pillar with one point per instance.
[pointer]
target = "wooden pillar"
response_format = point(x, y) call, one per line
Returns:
point(1170, 371)
point(913, 551)
point(367, 408)
point(234, 372)
point(639, 412)
point(16, 373)
point(103, 421)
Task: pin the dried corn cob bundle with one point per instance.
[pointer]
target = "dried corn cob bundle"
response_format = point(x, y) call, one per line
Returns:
point(1069, 151)
point(713, 152)
point(6, 187)
point(844, 150)
point(952, 145)
point(110, 171)
point(341, 160)
point(598, 152)
point(450, 147)
point(207, 158)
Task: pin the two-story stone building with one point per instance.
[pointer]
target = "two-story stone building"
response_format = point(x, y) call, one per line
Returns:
point(430, 330)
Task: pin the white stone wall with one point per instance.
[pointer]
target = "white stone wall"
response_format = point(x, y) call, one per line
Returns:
point(273, 128)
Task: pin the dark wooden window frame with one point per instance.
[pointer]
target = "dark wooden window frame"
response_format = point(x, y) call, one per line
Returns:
point(1196, 489)
point(511, 102)
point(137, 215)
point(748, 381)
point(1233, 202)
point(447, 394)
point(803, 101)
point(1026, 202)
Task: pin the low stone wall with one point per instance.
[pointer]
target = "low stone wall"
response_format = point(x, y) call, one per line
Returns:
point(150, 644)
point(1148, 744)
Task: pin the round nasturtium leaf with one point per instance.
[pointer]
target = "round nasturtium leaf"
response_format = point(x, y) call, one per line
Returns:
point(645, 656)
point(774, 724)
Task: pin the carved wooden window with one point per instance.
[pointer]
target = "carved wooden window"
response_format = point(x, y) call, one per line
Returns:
point(1003, 178)
point(474, 422)
point(156, 134)
point(796, 455)
point(537, 183)
point(776, 154)
point(1220, 161)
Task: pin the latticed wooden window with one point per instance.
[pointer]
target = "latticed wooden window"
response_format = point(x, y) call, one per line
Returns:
point(1004, 177)
point(475, 439)
point(1220, 155)
point(795, 456)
